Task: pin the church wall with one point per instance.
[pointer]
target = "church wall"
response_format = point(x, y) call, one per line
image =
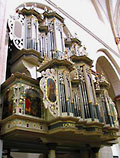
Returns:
point(3, 53)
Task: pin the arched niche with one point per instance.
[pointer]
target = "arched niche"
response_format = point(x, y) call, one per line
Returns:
point(104, 66)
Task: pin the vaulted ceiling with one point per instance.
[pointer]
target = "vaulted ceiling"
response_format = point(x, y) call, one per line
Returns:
point(109, 9)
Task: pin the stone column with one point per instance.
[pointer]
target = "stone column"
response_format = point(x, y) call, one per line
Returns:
point(95, 152)
point(51, 147)
point(51, 154)
point(1, 147)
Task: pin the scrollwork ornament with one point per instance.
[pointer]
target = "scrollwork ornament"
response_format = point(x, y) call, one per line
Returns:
point(17, 38)
point(49, 87)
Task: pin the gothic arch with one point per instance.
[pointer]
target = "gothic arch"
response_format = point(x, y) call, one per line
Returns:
point(104, 66)
point(110, 58)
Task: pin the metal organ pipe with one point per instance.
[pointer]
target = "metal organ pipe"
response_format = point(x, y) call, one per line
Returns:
point(77, 108)
point(81, 103)
point(86, 99)
point(31, 19)
point(108, 110)
point(95, 98)
point(89, 98)
point(42, 45)
point(83, 93)
point(62, 93)
point(59, 89)
point(37, 47)
point(67, 90)
point(106, 119)
point(62, 39)
point(28, 33)
point(25, 34)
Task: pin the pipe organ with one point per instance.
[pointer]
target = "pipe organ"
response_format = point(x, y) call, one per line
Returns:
point(64, 98)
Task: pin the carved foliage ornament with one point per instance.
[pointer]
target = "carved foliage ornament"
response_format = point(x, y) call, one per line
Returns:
point(48, 85)
point(80, 73)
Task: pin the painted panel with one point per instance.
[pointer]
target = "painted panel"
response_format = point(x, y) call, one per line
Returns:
point(51, 90)
point(32, 103)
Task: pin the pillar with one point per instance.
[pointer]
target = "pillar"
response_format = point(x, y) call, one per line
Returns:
point(51, 147)
point(51, 154)
point(95, 152)
point(1, 147)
